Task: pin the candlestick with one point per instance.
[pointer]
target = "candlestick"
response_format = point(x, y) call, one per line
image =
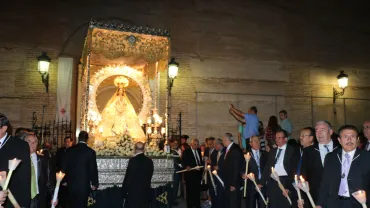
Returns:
point(163, 130)
point(149, 130)
point(360, 196)
point(247, 158)
point(297, 188)
point(253, 179)
point(218, 177)
point(141, 122)
point(13, 164)
point(149, 121)
point(305, 187)
point(59, 177)
point(212, 181)
point(275, 176)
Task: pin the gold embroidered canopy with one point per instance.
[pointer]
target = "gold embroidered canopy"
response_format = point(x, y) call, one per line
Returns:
point(117, 44)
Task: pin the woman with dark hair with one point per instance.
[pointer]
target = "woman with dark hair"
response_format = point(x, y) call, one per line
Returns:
point(261, 136)
point(271, 129)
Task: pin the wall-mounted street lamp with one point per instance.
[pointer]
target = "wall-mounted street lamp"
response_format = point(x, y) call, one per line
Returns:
point(43, 68)
point(172, 72)
point(342, 83)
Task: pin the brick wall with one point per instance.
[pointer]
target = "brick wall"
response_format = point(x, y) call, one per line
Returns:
point(280, 54)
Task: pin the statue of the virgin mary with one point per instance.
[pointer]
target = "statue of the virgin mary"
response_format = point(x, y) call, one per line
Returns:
point(119, 116)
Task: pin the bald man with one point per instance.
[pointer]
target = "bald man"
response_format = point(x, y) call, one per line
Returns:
point(137, 183)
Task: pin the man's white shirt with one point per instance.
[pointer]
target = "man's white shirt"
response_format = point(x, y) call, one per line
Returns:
point(279, 166)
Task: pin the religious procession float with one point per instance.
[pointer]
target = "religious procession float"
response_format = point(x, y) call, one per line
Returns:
point(119, 79)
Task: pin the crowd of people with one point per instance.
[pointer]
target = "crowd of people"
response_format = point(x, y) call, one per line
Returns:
point(33, 182)
point(334, 165)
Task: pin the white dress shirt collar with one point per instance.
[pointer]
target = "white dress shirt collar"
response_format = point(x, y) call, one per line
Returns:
point(351, 154)
point(2, 140)
point(330, 146)
point(228, 147)
point(138, 154)
point(282, 147)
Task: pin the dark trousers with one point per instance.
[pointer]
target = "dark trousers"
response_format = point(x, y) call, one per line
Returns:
point(35, 202)
point(275, 194)
point(63, 196)
point(77, 199)
point(233, 198)
point(253, 198)
point(176, 184)
point(218, 197)
point(193, 193)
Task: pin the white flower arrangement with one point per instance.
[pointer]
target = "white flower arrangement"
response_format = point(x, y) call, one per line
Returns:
point(124, 147)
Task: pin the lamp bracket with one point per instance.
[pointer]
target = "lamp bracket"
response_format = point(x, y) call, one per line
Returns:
point(45, 80)
point(337, 94)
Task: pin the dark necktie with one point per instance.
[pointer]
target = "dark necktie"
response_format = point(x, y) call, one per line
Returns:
point(196, 157)
point(367, 147)
point(277, 157)
point(327, 148)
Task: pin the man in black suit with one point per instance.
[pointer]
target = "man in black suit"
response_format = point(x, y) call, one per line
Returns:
point(59, 160)
point(218, 197)
point(10, 148)
point(42, 176)
point(346, 171)
point(136, 186)
point(366, 126)
point(175, 150)
point(81, 171)
point(284, 159)
point(313, 157)
point(231, 171)
point(190, 159)
point(256, 166)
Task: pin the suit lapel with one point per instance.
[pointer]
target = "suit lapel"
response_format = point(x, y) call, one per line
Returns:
point(38, 168)
point(287, 157)
point(318, 155)
point(355, 162)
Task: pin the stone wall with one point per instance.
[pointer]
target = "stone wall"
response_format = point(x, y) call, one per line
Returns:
point(275, 55)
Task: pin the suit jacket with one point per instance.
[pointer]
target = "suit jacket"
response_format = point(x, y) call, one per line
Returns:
point(312, 168)
point(46, 180)
point(253, 168)
point(188, 159)
point(81, 169)
point(213, 158)
point(358, 178)
point(177, 160)
point(290, 163)
point(136, 186)
point(232, 167)
point(20, 183)
point(60, 157)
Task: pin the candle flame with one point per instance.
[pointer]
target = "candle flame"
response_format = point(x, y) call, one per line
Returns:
point(302, 179)
point(208, 166)
point(214, 172)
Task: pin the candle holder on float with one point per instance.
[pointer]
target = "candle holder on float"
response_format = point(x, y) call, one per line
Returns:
point(153, 129)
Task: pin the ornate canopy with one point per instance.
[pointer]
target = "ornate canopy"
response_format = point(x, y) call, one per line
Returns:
point(110, 43)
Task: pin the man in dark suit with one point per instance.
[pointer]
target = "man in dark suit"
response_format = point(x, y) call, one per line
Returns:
point(190, 159)
point(366, 126)
point(218, 197)
point(313, 158)
point(42, 176)
point(231, 171)
point(256, 166)
point(176, 151)
point(346, 171)
point(81, 171)
point(284, 159)
point(136, 186)
point(59, 160)
point(10, 148)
